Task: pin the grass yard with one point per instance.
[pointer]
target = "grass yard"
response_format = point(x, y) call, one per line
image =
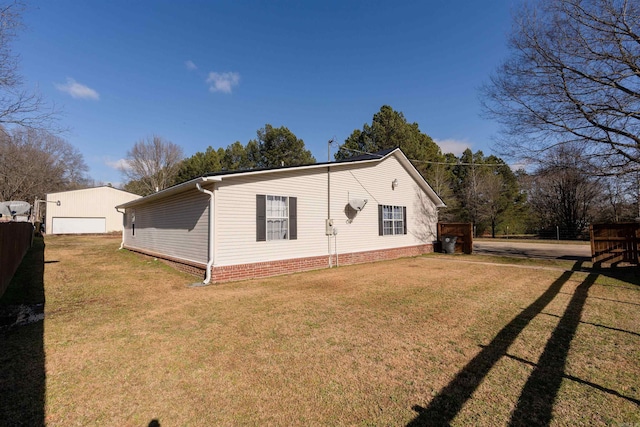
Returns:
point(417, 341)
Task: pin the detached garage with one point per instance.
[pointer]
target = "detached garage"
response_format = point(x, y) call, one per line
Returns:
point(78, 225)
point(86, 211)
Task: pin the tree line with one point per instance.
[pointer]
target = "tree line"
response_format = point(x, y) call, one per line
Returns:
point(155, 163)
point(34, 162)
point(559, 193)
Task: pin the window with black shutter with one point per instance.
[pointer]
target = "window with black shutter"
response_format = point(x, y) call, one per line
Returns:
point(276, 218)
point(392, 220)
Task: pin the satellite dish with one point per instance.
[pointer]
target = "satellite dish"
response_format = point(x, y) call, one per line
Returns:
point(12, 208)
point(358, 204)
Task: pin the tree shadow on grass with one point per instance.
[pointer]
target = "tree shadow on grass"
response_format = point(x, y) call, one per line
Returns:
point(629, 274)
point(535, 405)
point(22, 358)
point(539, 393)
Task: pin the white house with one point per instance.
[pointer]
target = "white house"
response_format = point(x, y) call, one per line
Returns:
point(246, 224)
point(90, 210)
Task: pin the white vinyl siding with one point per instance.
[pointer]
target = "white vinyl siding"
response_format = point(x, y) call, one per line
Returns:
point(236, 238)
point(236, 211)
point(176, 226)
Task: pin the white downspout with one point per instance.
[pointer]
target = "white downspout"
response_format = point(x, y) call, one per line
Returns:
point(207, 277)
point(123, 229)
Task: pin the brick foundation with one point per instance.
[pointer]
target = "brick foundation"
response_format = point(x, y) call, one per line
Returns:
point(275, 268)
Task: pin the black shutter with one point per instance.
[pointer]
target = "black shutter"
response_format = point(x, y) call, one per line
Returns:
point(293, 218)
point(261, 213)
point(404, 217)
point(380, 220)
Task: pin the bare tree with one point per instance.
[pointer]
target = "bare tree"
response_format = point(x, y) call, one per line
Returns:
point(573, 76)
point(152, 164)
point(18, 106)
point(492, 189)
point(618, 202)
point(440, 179)
point(471, 194)
point(484, 198)
point(563, 194)
point(35, 162)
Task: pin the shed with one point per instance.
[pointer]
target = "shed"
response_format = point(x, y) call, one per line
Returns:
point(90, 210)
point(257, 223)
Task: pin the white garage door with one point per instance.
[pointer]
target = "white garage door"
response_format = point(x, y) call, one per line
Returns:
point(78, 225)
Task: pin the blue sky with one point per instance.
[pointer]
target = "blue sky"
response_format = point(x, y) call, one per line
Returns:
point(212, 73)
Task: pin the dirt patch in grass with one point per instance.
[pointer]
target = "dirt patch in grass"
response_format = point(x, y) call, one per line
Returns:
point(410, 342)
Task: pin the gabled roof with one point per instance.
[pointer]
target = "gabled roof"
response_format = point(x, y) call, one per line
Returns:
point(367, 156)
point(95, 188)
point(364, 158)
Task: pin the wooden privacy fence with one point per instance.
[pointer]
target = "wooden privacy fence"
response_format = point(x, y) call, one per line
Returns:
point(15, 240)
point(462, 230)
point(614, 243)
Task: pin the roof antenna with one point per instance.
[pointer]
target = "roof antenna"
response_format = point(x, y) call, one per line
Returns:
point(331, 141)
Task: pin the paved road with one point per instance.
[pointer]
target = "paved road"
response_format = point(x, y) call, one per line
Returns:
point(574, 252)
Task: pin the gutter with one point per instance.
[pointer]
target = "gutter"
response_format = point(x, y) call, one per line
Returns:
point(211, 256)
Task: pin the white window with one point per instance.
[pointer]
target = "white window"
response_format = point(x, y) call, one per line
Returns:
point(392, 220)
point(277, 218)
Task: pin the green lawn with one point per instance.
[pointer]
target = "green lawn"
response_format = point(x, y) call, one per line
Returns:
point(417, 341)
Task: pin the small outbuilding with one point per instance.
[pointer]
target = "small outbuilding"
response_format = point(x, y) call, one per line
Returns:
point(86, 211)
point(257, 223)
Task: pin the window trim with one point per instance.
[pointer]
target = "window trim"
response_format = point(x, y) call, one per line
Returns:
point(279, 215)
point(382, 230)
point(261, 218)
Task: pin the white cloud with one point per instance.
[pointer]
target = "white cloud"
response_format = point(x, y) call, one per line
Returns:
point(454, 146)
point(119, 164)
point(190, 65)
point(77, 90)
point(516, 166)
point(222, 82)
